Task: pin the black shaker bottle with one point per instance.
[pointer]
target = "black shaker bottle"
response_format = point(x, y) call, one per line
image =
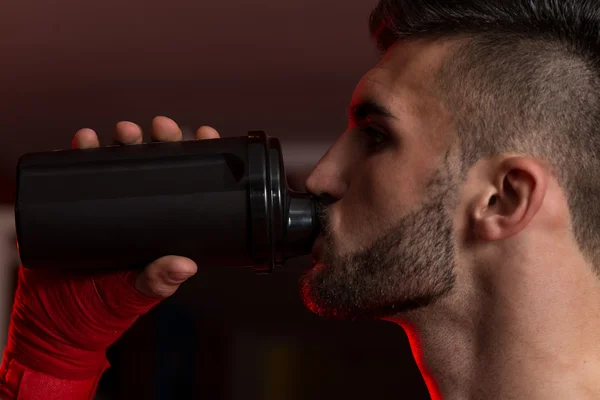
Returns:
point(221, 202)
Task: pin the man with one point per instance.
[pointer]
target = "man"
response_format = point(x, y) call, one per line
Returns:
point(462, 201)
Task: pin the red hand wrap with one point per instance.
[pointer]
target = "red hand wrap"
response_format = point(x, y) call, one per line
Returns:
point(61, 326)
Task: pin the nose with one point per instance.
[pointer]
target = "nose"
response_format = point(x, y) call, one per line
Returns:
point(330, 177)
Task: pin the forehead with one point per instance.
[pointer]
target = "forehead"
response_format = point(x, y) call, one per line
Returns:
point(404, 79)
point(406, 67)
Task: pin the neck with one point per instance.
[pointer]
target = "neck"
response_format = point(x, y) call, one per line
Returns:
point(526, 332)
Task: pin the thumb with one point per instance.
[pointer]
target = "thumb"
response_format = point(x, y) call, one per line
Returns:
point(162, 278)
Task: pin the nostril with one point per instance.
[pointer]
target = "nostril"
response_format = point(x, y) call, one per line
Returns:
point(326, 183)
point(326, 199)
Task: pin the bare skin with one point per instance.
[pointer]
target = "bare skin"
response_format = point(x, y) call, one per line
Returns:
point(521, 318)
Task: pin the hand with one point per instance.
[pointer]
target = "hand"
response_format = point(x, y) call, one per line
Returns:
point(154, 281)
point(62, 323)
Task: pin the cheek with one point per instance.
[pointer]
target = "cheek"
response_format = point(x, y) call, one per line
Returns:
point(390, 186)
point(374, 202)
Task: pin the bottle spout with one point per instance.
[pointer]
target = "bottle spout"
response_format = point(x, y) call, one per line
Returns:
point(302, 224)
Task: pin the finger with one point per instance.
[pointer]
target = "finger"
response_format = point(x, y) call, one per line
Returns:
point(128, 133)
point(85, 139)
point(207, 132)
point(163, 277)
point(165, 130)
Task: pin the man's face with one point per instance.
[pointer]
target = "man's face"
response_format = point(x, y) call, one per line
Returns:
point(388, 234)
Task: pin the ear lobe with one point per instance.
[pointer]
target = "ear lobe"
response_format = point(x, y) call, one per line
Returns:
point(519, 193)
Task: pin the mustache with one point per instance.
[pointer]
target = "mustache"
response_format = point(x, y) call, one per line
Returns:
point(322, 207)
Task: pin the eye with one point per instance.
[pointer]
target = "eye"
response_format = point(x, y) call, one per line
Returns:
point(375, 137)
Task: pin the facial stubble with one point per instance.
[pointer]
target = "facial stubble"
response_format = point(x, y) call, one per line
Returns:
point(409, 266)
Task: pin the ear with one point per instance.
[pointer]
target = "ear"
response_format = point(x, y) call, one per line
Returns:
point(512, 199)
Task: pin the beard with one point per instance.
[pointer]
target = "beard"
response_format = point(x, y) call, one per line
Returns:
point(410, 266)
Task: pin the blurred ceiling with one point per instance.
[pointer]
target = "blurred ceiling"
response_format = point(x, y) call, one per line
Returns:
point(285, 67)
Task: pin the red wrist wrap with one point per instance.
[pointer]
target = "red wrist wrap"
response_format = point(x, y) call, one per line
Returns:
point(21, 383)
point(61, 327)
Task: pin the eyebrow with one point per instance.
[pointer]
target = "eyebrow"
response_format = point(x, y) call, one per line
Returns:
point(361, 111)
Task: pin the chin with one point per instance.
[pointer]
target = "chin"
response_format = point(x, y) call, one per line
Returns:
point(307, 285)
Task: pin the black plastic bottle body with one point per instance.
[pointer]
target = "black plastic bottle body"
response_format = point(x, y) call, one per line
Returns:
point(123, 206)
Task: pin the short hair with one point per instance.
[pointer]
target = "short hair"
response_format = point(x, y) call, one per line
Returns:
point(526, 81)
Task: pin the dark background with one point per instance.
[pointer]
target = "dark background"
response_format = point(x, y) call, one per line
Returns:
point(285, 67)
